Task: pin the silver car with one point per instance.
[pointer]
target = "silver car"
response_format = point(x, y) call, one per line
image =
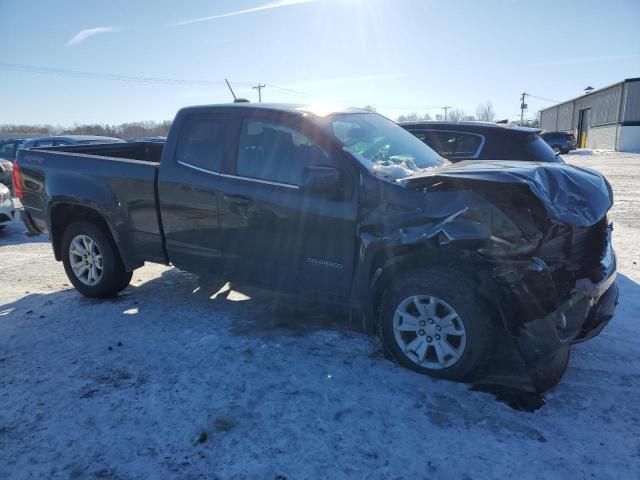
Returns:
point(7, 208)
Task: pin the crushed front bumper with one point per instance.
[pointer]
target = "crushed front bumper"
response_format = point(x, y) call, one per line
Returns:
point(541, 346)
point(581, 317)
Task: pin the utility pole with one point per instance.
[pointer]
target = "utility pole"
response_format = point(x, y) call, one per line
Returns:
point(523, 107)
point(445, 108)
point(259, 87)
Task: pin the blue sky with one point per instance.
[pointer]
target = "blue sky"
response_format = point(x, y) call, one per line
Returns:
point(398, 55)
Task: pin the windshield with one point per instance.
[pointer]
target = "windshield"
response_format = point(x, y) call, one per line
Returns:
point(382, 146)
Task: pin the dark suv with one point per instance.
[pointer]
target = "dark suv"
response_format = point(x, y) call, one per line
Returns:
point(560, 142)
point(458, 141)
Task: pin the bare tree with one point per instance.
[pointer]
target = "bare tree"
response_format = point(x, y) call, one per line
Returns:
point(124, 130)
point(485, 112)
point(414, 117)
point(439, 117)
point(455, 115)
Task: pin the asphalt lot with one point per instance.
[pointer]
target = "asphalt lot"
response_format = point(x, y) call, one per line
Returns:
point(173, 379)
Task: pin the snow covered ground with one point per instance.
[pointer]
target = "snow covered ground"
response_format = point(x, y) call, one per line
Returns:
point(171, 381)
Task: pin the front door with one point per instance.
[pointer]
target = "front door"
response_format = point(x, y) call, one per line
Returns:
point(275, 233)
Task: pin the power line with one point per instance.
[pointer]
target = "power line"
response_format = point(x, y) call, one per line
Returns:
point(182, 81)
point(111, 76)
point(543, 99)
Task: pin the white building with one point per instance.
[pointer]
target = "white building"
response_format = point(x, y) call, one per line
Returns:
point(608, 118)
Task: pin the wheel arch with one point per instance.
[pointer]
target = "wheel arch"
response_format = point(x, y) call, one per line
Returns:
point(390, 264)
point(62, 215)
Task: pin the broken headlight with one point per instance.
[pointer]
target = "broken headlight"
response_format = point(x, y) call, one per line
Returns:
point(507, 235)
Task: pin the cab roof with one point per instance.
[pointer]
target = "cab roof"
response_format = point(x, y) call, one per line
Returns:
point(317, 110)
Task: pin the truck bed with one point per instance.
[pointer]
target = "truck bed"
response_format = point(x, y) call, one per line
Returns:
point(118, 181)
point(142, 151)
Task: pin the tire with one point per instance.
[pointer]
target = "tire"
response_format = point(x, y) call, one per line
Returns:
point(112, 277)
point(461, 323)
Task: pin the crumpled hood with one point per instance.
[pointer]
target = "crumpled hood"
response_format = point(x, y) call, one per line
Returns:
point(573, 195)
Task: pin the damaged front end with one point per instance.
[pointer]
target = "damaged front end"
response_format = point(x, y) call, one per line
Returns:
point(563, 294)
point(543, 236)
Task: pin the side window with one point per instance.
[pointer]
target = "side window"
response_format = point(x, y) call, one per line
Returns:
point(270, 151)
point(201, 142)
point(44, 143)
point(420, 135)
point(7, 150)
point(442, 142)
point(453, 144)
point(467, 145)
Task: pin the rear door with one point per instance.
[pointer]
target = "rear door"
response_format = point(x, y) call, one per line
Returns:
point(274, 232)
point(188, 189)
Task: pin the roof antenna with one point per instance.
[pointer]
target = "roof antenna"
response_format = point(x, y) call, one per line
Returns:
point(235, 99)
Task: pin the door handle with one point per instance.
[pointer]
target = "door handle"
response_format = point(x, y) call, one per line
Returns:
point(239, 200)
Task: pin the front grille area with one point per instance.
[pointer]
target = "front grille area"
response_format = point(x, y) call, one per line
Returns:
point(577, 248)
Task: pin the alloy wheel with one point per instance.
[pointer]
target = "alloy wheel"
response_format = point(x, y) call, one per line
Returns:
point(86, 260)
point(429, 332)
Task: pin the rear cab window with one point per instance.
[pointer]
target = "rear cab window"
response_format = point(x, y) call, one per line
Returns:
point(201, 143)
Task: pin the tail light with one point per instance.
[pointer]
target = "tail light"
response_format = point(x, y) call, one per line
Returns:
point(17, 181)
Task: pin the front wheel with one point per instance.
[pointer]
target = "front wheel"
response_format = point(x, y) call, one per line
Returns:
point(433, 322)
point(92, 261)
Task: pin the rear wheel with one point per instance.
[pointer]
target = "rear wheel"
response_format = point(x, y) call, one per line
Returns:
point(92, 261)
point(433, 322)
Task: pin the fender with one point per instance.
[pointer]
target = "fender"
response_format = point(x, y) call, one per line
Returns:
point(96, 196)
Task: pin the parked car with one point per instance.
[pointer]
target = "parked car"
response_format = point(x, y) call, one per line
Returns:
point(9, 148)
point(457, 141)
point(449, 264)
point(560, 142)
point(7, 209)
point(6, 169)
point(55, 141)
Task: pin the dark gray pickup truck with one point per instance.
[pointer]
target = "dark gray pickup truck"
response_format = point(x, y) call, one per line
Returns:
point(471, 271)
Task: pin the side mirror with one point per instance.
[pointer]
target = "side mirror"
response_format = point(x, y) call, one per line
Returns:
point(319, 179)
